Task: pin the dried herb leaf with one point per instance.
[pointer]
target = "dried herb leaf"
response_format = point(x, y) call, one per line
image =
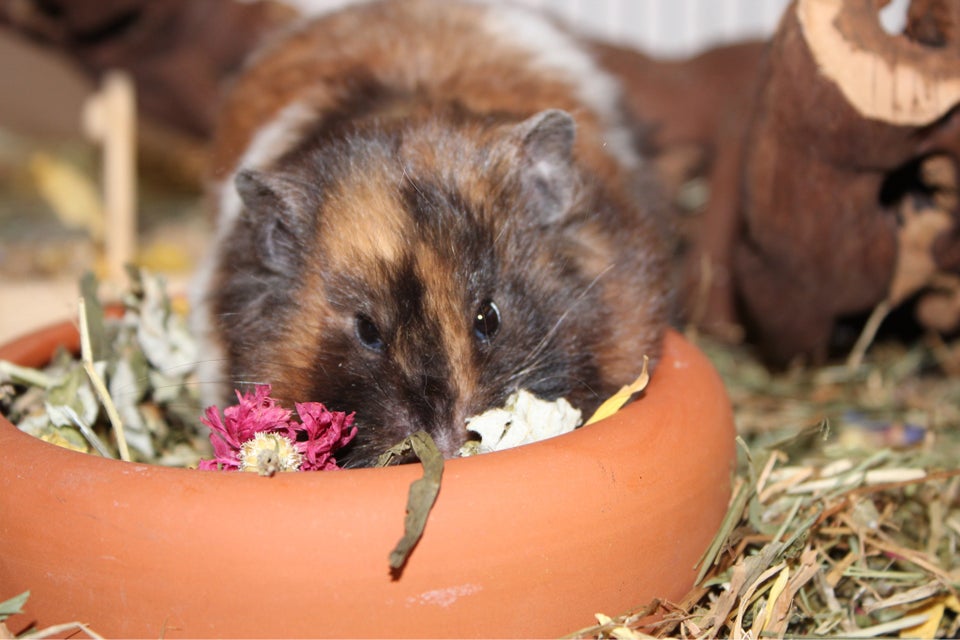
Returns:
point(162, 335)
point(94, 317)
point(13, 606)
point(158, 409)
point(613, 404)
point(126, 388)
point(423, 492)
point(11, 372)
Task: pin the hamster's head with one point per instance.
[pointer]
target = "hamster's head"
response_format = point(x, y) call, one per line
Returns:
point(417, 274)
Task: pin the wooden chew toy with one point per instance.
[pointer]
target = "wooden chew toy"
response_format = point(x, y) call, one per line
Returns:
point(847, 190)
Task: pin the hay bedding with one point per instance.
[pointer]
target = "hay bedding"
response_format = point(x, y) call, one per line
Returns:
point(845, 514)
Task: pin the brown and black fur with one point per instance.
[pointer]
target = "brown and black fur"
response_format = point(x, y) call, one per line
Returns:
point(429, 169)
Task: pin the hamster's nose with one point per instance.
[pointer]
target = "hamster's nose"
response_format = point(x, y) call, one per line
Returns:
point(449, 440)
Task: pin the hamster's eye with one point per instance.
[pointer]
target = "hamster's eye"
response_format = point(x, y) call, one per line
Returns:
point(486, 321)
point(368, 334)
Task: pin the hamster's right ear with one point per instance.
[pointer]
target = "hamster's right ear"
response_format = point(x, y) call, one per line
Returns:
point(546, 159)
point(276, 207)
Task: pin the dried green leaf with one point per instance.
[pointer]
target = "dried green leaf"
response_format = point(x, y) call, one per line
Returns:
point(62, 419)
point(423, 492)
point(73, 393)
point(95, 317)
point(730, 520)
point(13, 606)
point(163, 336)
point(158, 409)
point(11, 372)
point(126, 388)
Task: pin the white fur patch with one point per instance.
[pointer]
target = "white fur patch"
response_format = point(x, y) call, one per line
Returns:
point(559, 54)
point(269, 143)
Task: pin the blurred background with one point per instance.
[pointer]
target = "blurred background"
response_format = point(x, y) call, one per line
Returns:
point(52, 219)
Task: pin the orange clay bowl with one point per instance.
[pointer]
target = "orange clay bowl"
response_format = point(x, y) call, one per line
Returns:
point(527, 542)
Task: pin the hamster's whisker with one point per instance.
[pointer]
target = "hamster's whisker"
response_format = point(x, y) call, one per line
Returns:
point(556, 326)
point(533, 362)
point(405, 177)
point(371, 371)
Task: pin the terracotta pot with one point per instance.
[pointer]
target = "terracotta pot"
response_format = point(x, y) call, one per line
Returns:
point(526, 542)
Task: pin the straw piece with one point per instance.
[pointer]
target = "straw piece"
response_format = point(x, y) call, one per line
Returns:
point(880, 312)
point(25, 375)
point(730, 520)
point(66, 629)
point(887, 628)
point(906, 597)
point(98, 386)
point(755, 586)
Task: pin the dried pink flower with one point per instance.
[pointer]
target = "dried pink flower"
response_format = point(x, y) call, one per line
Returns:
point(254, 412)
point(321, 433)
point(208, 465)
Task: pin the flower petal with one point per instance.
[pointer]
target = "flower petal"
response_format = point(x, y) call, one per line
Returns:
point(324, 432)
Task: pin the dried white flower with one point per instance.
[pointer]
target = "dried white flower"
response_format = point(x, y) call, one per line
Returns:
point(523, 419)
point(268, 453)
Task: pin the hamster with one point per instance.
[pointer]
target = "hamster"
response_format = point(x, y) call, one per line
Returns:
point(424, 206)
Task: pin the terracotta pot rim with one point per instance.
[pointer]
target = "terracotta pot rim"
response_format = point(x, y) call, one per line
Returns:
point(30, 350)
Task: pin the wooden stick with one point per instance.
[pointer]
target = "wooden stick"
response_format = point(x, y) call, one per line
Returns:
point(110, 119)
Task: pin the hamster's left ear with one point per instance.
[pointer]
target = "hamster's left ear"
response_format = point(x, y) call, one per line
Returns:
point(546, 161)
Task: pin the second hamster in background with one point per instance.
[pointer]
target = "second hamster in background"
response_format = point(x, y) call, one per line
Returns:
point(423, 207)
